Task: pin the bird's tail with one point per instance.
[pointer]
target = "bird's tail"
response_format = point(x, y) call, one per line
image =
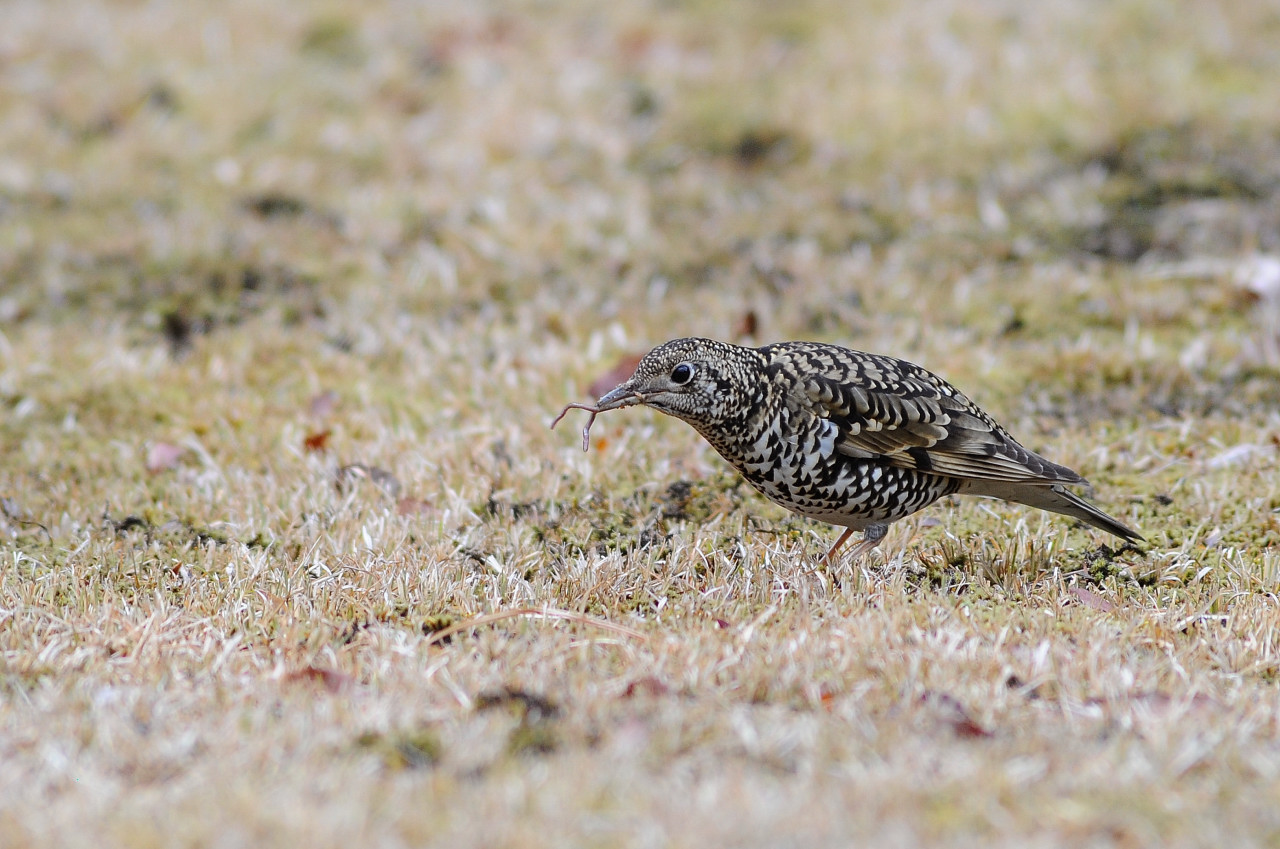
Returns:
point(1056, 499)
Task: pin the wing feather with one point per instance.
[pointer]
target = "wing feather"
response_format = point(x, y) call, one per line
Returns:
point(911, 418)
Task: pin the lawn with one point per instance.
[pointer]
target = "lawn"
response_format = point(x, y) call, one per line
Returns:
point(290, 294)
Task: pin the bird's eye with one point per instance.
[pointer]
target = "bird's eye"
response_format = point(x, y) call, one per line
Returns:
point(682, 374)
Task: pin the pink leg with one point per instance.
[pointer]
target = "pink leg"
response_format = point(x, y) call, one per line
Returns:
point(832, 551)
point(870, 539)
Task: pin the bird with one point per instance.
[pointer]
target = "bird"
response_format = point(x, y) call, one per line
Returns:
point(850, 438)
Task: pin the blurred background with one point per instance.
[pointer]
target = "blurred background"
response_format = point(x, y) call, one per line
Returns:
point(970, 167)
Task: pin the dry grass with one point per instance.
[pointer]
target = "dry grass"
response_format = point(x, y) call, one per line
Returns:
point(453, 217)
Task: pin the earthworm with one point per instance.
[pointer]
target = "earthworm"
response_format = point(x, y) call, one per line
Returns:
point(586, 431)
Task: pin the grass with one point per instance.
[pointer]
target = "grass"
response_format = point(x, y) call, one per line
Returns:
point(289, 294)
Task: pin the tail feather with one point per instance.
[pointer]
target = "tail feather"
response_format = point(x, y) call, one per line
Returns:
point(1056, 499)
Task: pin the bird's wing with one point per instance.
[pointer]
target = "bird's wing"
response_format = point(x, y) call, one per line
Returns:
point(896, 411)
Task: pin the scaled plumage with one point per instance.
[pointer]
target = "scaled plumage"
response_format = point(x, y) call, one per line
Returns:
point(855, 439)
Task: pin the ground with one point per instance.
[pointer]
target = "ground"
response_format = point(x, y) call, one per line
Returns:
point(290, 293)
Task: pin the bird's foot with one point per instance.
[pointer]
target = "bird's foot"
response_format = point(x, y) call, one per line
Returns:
point(871, 537)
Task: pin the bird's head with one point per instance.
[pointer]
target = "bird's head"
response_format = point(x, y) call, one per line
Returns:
point(701, 381)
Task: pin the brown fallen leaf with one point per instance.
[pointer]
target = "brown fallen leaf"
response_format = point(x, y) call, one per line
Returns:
point(317, 441)
point(162, 456)
point(332, 680)
point(647, 685)
point(623, 369)
point(746, 326)
point(1092, 600)
point(952, 713)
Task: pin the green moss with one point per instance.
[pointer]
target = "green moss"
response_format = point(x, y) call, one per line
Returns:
point(411, 749)
point(533, 738)
point(334, 39)
point(436, 623)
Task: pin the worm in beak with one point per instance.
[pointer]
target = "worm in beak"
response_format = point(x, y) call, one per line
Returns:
point(621, 397)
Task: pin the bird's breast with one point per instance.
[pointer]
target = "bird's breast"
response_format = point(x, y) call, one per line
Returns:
point(792, 459)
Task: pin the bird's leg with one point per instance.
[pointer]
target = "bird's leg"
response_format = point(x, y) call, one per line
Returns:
point(870, 539)
point(831, 552)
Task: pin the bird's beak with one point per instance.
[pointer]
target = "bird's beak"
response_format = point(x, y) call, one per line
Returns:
point(623, 396)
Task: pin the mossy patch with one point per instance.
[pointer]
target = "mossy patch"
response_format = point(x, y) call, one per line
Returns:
point(417, 748)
